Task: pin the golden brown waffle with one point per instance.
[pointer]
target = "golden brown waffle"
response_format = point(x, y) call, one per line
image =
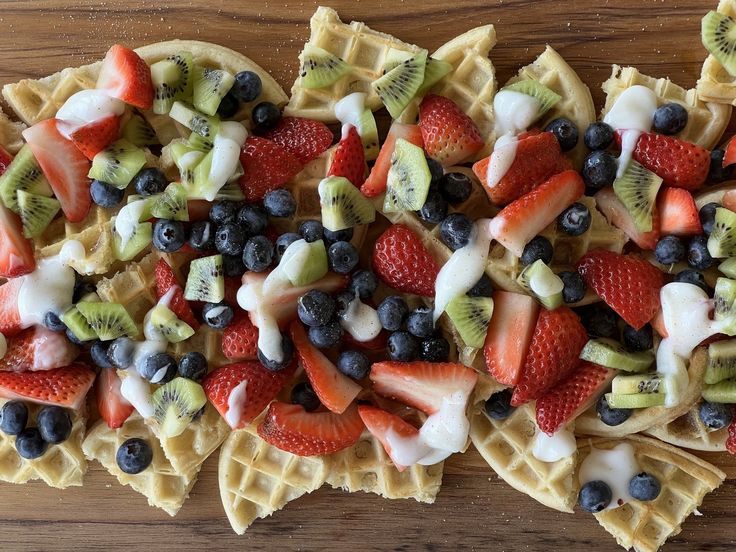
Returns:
point(715, 83)
point(257, 479)
point(706, 121)
point(685, 479)
point(10, 134)
point(688, 431)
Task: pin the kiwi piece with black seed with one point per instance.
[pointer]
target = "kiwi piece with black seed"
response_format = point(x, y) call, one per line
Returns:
point(724, 299)
point(108, 320)
point(172, 204)
point(541, 282)
point(118, 163)
point(175, 404)
point(637, 189)
point(78, 325)
point(609, 353)
point(434, 72)
point(139, 241)
point(23, 173)
point(643, 384)
point(400, 85)
point(319, 68)
point(137, 131)
point(172, 80)
point(186, 158)
point(718, 33)
point(205, 281)
point(408, 180)
point(210, 86)
point(195, 121)
point(36, 212)
point(547, 98)
point(342, 204)
point(368, 134)
point(166, 323)
point(721, 361)
point(470, 316)
point(722, 239)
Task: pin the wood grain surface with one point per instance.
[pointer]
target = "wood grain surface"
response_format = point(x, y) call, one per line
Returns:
point(475, 509)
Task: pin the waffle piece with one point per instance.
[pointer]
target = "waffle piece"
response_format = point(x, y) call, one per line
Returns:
point(715, 83)
point(10, 134)
point(706, 122)
point(685, 479)
point(688, 431)
point(257, 479)
point(357, 44)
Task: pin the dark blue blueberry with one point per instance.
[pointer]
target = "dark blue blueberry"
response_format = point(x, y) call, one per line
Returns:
point(455, 187)
point(611, 416)
point(168, 235)
point(134, 456)
point(30, 444)
point(279, 203)
point(247, 86)
point(342, 302)
point(669, 250)
point(228, 107)
point(565, 131)
point(346, 234)
point(598, 136)
point(232, 265)
point(53, 322)
point(217, 315)
point(403, 347)
point(82, 288)
point(327, 336)
point(159, 368)
point(230, 239)
point(98, 352)
point(343, 257)
point(645, 487)
point(265, 116)
point(714, 415)
point(202, 235)
point(311, 230)
point(283, 242)
point(574, 287)
point(538, 248)
point(193, 366)
point(354, 364)
point(599, 170)
point(150, 181)
point(258, 254)
point(253, 220)
point(455, 230)
point(364, 283)
point(707, 216)
point(287, 347)
point(104, 194)
point(223, 212)
point(669, 118)
point(694, 277)
point(13, 417)
point(54, 424)
point(434, 349)
point(575, 220)
point(595, 496)
point(482, 288)
point(303, 394)
point(717, 173)
point(391, 312)
point(434, 209)
point(419, 323)
point(698, 255)
point(315, 308)
point(121, 352)
point(436, 170)
point(73, 338)
point(498, 406)
point(599, 321)
point(638, 340)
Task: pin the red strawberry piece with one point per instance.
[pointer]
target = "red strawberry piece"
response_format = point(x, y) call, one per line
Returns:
point(199, 209)
point(10, 323)
point(349, 159)
point(16, 251)
point(509, 334)
point(165, 280)
point(678, 214)
point(678, 163)
point(266, 166)
point(628, 284)
point(240, 339)
point(729, 200)
point(305, 139)
point(256, 388)
point(731, 439)
point(571, 397)
point(111, 404)
point(126, 76)
point(375, 184)
point(537, 158)
point(5, 160)
point(420, 384)
point(553, 353)
point(729, 153)
point(381, 423)
point(291, 428)
point(335, 390)
point(524, 218)
point(619, 216)
point(38, 348)
point(64, 166)
point(94, 137)
point(402, 261)
point(449, 135)
point(65, 386)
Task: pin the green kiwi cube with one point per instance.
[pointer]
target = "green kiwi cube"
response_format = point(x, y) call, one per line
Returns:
point(205, 281)
point(722, 239)
point(721, 361)
point(400, 85)
point(547, 98)
point(725, 305)
point(304, 263)
point(118, 163)
point(172, 80)
point(175, 403)
point(368, 134)
point(319, 68)
point(78, 325)
point(721, 392)
point(24, 174)
point(172, 204)
point(108, 320)
point(470, 316)
point(609, 353)
point(718, 34)
point(728, 267)
point(540, 281)
point(36, 212)
point(342, 204)
point(137, 131)
point(635, 400)
point(166, 323)
point(195, 121)
point(408, 179)
point(639, 383)
point(136, 244)
point(637, 189)
point(210, 86)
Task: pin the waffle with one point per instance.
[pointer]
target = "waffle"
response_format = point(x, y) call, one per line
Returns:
point(10, 134)
point(706, 122)
point(688, 431)
point(715, 83)
point(257, 479)
point(685, 479)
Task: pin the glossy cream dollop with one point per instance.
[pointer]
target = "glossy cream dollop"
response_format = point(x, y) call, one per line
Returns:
point(555, 447)
point(86, 107)
point(615, 467)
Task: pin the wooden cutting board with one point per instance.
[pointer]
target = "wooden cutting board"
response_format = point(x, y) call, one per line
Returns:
point(475, 509)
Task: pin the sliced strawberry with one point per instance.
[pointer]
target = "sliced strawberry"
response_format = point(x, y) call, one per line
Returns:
point(113, 407)
point(729, 200)
point(5, 160)
point(402, 261)
point(94, 137)
point(509, 334)
point(349, 159)
point(165, 280)
point(381, 424)
point(335, 390)
point(65, 387)
point(291, 428)
point(420, 384)
point(126, 76)
point(558, 338)
point(449, 135)
point(64, 166)
point(305, 139)
point(619, 216)
point(266, 166)
point(573, 396)
point(240, 339)
point(521, 220)
point(257, 387)
point(38, 348)
point(678, 214)
point(628, 284)
point(731, 439)
point(10, 323)
point(375, 184)
point(16, 251)
point(729, 153)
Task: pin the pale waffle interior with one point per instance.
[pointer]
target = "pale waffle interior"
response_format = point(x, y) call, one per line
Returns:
point(10, 134)
point(688, 431)
point(706, 122)
point(715, 83)
point(685, 479)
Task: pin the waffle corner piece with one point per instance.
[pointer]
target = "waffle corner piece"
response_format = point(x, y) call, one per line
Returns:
point(716, 84)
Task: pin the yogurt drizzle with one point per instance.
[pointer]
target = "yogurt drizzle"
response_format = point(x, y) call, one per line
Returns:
point(615, 467)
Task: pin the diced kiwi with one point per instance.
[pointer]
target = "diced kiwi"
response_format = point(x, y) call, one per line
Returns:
point(78, 325)
point(186, 158)
point(368, 134)
point(175, 403)
point(408, 179)
point(210, 86)
point(641, 383)
point(172, 204)
point(397, 87)
point(721, 361)
point(22, 174)
point(172, 80)
point(138, 132)
point(611, 354)
point(728, 267)
point(319, 68)
point(36, 212)
point(201, 143)
point(434, 72)
point(470, 316)
point(722, 239)
point(547, 98)
point(539, 280)
point(195, 121)
point(637, 400)
point(145, 213)
point(205, 281)
point(343, 206)
point(118, 163)
point(725, 305)
point(168, 325)
point(718, 33)
point(304, 262)
point(637, 189)
point(232, 190)
point(721, 392)
point(139, 241)
point(108, 320)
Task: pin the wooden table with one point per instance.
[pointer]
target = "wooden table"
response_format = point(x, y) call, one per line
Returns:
point(475, 509)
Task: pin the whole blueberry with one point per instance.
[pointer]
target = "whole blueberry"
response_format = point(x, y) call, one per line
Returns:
point(279, 203)
point(54, 424)
point(98, 352)
point(104, 194)
point(202, 235)
point(315, 308)
point(669, 118)
point(455, 230)
point(645, 487)
point(538, 248)
point(258, 254)
point(217, 315)
point(436, 170)
point(52, 321)
point(599, 321)
point(283, 242)
point(223, 212)
point(230, 239)
point(13, 417)
point(364, 283)
point(311, 230)
point(252, 219)
point(326, 336)
point(715, 415)
point(150, 181)
point(707, 215)
point(330, 236)
point(134, 456)
point(434, 209)
point(30, 444)
point(698, 255)
point(595, 496)
point(598, 136)
point(403, 347)
point(193, 365)
point(455, 187)
point(303, 394)
point(498, 406)
point(575, 220)
point(420, 323)
point(391, 312)
point(481, 288)
point(434, 349)
point(247, 86)
point(638, 340)
point(574, 288)
point(168, 235)
point(343, 257)
point(159, 368)
point(121, 352)
point(669, 250)
point(228, 107)
point(265, 116)
point(611, 416)
point(694, 277)
point(599, 170)
point(717, 173)
point(232, 266)
point(565, 131)
point(354, 364)
point(273, 365)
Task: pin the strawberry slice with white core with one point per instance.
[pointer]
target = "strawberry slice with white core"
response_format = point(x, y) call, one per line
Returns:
point(375, 184)
point(617, 215)
point(10, 322)
point(678, 214)
point(388, 428)
point(111, 404)
point(126, 76)
point(38, 348)
point(67, 386)
point(16, 251)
